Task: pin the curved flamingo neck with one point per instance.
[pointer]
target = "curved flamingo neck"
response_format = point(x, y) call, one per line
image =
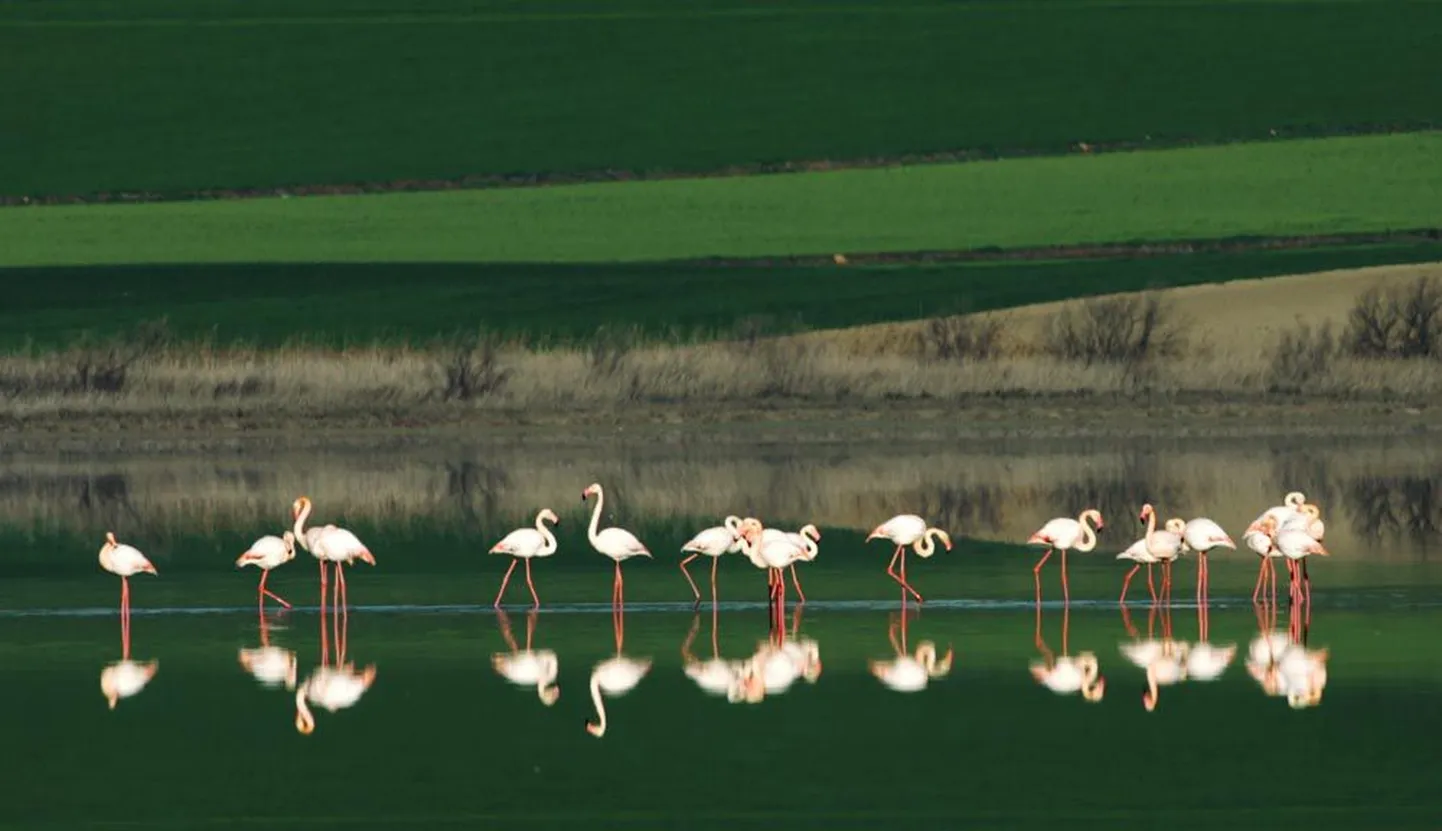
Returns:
point(599, 728)
point(1088, 533)
point(300, 518)
point(304, 719)
point(549, 544)
point(596, 514)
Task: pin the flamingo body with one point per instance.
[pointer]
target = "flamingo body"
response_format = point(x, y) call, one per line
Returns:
point(614, 676)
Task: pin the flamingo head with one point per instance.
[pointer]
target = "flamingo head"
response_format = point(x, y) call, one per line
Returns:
point(299, 506)
point(366, 557)
point(1095, 692)
point(1294, 500)
point(811, 531)
point(1176, 525)
point(304, 723)
point(945, 539)
point(550, 516)
point(750, 529)
point(110, 542)
point(595, 729)
point(289, 539)
point(590, 489)
point(549, 695)
point(1149, 701)
point(1147, 510)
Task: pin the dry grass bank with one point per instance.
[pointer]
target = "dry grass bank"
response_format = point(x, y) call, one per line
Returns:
point(1290, 338)
point(1383, 499)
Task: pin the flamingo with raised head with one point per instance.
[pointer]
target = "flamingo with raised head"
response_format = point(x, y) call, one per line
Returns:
point(912, 530)
point(1063, 534)
point(616, 543)
point(527, 544)
point(267, 553)
point(713, 542)
point(328, 543)
point(124, 561)
point(1165, 545)
point(1202, 535)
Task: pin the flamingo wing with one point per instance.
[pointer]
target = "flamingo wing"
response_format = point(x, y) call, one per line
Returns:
point(1203, 534)
point(618, 542)
point(522, 542)
point(902, 529)
point(712, 541)
point(1061, 532)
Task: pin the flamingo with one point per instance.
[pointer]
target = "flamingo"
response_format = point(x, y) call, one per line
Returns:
point(774, 555)
point(735, 680)
point(616, 543)
point(1165, 545)
point(1259, 539)
point(272, 666)
point(805, 540)
point(526, 544)
point(1309, 520)
point(124, 678)
point(331, 689)
point(1168, 668)
point(266, 553)
point(614, 676)
point(1072, 674)
point(1296, 545)
point(910, 672)
point(1280, 513)
point(1202, 535)
point(328, 543)
point(1137, 552)
point(713, 542)
point(536, 668)
point(904, 530)
point(1061, 534)
point(125, 561)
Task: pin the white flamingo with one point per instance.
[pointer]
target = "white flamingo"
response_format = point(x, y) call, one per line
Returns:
point(804, 541)
point(1280, 513)
point(536, 668)
point(124, 678)
point(1165, 545)
point(1069, 674)
point(910, 673)
point(774, 555)
point(328, 543)
point(1063, 534)
point(267, 553)
point(735, 680)
point(1206, 662)
point(1259, 539)
point(527, 544)
point(1296, 545)
point(908, 529)
point(124, 561)
point(1137, 552)
point(331, 689)
point(616, 543)
point(713, 542)
point(272, 666)
point(1202, 535)
point(615, 677)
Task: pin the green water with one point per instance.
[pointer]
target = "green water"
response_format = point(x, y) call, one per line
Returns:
point(441, 739)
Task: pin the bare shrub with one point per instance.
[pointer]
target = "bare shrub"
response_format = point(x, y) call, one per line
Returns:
point(104, 365)
point(1121, 330)
point(1302, 356)
point(470, 367)
point(961, 339)
point(1398, 321)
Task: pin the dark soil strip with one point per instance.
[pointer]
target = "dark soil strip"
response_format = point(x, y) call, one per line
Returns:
point(1079, 252)
point(522, 180)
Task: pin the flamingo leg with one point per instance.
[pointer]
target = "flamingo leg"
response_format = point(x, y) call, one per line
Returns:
point(125, 617)
point(1272, 574)
point(905, 584)
point(1261, 580)
point(1065, 589)
point(504, 582)
point(1127, 582)
point(797, 584)
point(322, 584)
point(900, 555)
point(1036, 573)
point(714, 562)
point(264, 592)
point(1151, 586)
point(620, 588)
point(535, 600)
point(694, 590)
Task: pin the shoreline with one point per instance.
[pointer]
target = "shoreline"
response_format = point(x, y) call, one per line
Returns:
point(1036, 419)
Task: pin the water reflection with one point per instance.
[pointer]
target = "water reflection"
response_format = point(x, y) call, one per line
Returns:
point(328, 687)
point(534, 668)
point(1283, 665)
point(1162, 660)
point(124, 678)
point(909, 672)
point(1066, 675)
point(614, 676)
point(272, 666)
point(786, 656)
point(717, 676)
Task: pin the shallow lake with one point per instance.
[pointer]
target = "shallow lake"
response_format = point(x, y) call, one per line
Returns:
point(203, 727)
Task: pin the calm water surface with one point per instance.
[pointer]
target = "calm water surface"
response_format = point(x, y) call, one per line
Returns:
point(847, 728)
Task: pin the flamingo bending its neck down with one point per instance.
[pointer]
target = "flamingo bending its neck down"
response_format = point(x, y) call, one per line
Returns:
point(1137, 552)
point(1202, 535)
point(1296, 545)
point(328, 543)
point(124, 561)
point(713, 542)
point(1165, 545)
point(1062, 534)
point(804, 541)
point(1259, 538)
point(616, 543)
point(526, 544)
point(266, 553)
point(912, 530)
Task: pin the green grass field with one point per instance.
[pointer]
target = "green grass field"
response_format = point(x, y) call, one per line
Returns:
point(1315, 186)
point(269, 305)
point(180, 94)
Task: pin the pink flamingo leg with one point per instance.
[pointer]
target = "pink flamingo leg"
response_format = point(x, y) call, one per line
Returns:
point(1065, 589)
point(535, 599)
point(1036, 573)
point(692, 583)
point(1261, 580)
point(714, 562)
point(797, 584)
point(1127, 582)
point(264, 592)
point(505, 581)
point(901, 578)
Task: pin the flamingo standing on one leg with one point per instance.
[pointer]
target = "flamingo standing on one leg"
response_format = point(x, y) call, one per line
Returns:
point(527, 544)
point(713, 542)
point(1296, 545)
point(124, 561)
point(1165, 545)
point(616, 543)
point(1062, 534)
point(1308, 519)
point(329, 543)
point(904, 530)
point(1258, 538)
point(266, 553)
point(1202, 535)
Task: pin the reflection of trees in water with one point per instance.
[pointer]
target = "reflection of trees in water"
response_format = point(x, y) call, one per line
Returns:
point(1312, 474)
point(1387, 509)
point(468, 483)
point(1144, 477)
point(968, 508)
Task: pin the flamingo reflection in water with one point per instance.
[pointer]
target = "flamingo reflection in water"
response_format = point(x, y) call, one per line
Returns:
point(1163, 660)
point(534, 668)
point(331, 688)
point(738, 681)
point(1284, 666)
point(124, 678)
point(781, 659)
point(272, 666)
point(1067, 674)
point(614, 676)
point(909, 672)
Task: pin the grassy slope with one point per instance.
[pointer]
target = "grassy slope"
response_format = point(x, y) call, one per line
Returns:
point(1371, 183)
point(271, 93)
point(272, 304)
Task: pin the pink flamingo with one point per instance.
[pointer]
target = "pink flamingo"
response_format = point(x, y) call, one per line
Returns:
point(1308, 518)
point(1165, 545)
point(1062, 534)
point(124, 561)
point(329, 543)
point(266, 553)
point(713, 542)
point(527, 544)
point(1137, 552)
point(1296, 545)
point(912, 530)
point(1259, 539)
point(804, 541)
point(1202, 535)
point(616, 543)
point(774, 555)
